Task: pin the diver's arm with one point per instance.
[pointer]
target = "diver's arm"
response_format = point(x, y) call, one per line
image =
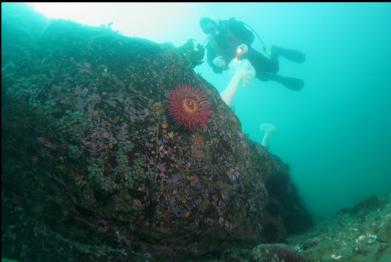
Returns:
point(211, 55)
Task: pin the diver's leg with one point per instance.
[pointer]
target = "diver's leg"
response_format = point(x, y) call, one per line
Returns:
point(293, 55)
point(261, 63)
point(289, 82)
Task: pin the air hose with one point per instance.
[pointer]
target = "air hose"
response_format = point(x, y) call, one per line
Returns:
point(264, 49)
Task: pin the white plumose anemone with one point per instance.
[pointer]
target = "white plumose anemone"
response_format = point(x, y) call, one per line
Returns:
point(243, 73)
point(267, 129)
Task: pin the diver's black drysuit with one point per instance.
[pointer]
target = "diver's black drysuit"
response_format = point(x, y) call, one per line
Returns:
point(231, 34)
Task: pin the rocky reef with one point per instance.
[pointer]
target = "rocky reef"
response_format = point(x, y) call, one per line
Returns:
point(95, 169)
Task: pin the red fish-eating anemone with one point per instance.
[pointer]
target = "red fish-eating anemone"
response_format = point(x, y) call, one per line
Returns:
point(189, 107)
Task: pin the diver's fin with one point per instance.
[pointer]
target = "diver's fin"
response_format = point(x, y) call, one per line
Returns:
point(293, 55)
point(291, 83)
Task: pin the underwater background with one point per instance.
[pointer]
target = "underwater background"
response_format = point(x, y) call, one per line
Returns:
point(335, 134)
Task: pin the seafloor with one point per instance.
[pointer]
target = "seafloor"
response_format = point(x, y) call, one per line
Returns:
point(358, 234)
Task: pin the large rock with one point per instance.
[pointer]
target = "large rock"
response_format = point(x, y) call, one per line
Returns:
point(94, 167)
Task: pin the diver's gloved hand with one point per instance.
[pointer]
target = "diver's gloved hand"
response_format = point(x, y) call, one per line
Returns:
point(219, 61)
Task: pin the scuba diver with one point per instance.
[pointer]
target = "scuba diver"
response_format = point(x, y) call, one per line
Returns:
point(229, 39)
